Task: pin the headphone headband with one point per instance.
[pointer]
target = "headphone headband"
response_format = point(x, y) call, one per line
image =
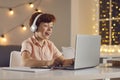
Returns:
point(33, 27)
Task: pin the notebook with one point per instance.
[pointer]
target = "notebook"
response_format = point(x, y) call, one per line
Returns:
point(24, 69)
point(87, 52)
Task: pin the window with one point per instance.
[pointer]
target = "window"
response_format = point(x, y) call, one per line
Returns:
point(109, 22)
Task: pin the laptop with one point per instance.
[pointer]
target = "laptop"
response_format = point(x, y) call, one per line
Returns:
point(87, 52)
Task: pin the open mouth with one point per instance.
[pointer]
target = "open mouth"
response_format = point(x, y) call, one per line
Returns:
point(47, 33)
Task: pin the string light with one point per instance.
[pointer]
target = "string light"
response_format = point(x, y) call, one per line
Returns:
point(109, 15)
point(94, 17)
point(3, 38)
point(11, 12)
point(110, 49)
point(38, 10)
point(31, 5)
point(24, 27)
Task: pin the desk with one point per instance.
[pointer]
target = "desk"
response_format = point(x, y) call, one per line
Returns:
point(91, 73)
point(109, 56)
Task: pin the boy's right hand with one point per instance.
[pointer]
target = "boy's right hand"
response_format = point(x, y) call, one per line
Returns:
point(50, 63)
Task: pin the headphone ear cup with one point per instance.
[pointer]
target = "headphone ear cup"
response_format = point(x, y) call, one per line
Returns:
point(33, 28)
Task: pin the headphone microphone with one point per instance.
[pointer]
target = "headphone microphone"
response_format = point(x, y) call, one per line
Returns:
point(33, 27)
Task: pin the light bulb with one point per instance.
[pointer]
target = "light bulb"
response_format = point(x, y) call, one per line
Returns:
point(38, 10)
point(31, 5)
point(11, 12)
point(118, 50)
point(3, 38)
point(24, 27)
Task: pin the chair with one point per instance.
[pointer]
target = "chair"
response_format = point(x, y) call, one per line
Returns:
point(68, 52)
point(5, 51)
point(15, 59)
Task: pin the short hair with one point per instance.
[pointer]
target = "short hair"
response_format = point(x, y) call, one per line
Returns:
point(44, 17)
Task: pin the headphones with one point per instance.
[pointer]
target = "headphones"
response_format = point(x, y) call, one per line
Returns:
point(33, 27)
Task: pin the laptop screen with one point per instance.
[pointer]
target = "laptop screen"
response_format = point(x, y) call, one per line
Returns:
point(87, 52)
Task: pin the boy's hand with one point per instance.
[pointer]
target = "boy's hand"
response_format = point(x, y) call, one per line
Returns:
point(50, 63)
point(68, 62)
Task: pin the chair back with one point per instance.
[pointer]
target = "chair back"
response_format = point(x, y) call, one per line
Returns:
point(15, 59)
point(68, 52)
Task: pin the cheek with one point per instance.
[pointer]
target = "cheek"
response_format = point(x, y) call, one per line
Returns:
point(41, 30)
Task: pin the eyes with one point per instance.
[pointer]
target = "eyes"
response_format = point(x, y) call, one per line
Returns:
point(48, 25)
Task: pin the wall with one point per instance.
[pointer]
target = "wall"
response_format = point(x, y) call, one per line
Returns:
point(60, 8)
point(84, 17)
point(61, 32)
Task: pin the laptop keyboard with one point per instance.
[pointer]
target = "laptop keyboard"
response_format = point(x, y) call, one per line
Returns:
point(64, 67)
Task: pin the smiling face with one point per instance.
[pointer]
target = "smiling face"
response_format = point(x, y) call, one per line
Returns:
point(44, 30)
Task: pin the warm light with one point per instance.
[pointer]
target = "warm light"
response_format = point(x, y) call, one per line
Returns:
point(38, 10)
point(107, 33)
point(116, 7)
point(108, 3)
point(100, 2)
point(96, 31)
point(31, 5)
point(119, 14)
point(113, 17)
point(106, 36)
point(3, 38)
point(118, 32)
point(104, 15)
point(94, 27)
point(119, 50)
point(114, 24)
point(109, 25)
point(105, 50)
point(11, 12)
point(103, 29)
point(110, 49)
point(107, 19)
point(24, 27)
point(93, 19)
point(109, 13)
point(113, 36)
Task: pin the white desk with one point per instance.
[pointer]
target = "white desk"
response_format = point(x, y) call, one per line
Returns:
point(85, 74)
point(109, 56)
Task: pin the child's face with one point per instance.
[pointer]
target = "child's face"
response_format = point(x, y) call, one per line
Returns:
point(45, 30)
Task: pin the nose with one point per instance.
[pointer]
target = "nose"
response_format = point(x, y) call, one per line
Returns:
point(49, 28)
